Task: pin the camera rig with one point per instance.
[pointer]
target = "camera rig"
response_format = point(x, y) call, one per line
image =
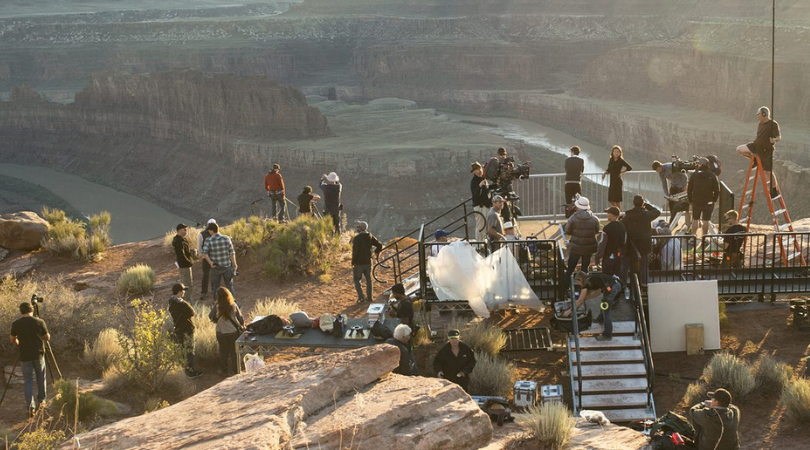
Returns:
point(35, 301)
point(682, 165)
point(501, 172)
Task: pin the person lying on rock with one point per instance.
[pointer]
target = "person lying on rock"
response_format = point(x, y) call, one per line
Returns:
point(455, 361)
point(401, 339)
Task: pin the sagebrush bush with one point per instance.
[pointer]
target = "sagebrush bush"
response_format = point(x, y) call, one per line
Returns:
point(75, 238)
point(492, 375)
point(251, 231)
point(90, 405)
point(278, 306)
point(306, 245)
point(151, 350)
point(481, 336)
point(40, 438)
point(796, 399)
point(206, 348)
point(695, 392)
point(137, 279)
point(727, 371)
point(771, 375)
point(106, 350)
point(550, 423)
point(71, 316)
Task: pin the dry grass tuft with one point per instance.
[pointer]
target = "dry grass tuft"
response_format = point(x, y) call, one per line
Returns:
point(550, 423)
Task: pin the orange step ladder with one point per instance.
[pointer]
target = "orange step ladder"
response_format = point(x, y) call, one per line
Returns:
point(788, 245)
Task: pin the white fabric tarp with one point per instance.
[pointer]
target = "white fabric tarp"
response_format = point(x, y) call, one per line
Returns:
point(460, 273)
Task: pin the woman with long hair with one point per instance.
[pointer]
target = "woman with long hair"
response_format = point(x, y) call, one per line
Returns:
point(617, 166)
point(228, 317)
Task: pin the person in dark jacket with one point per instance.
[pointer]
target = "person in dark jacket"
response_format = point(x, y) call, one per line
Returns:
point(306, 200)
point(583, 227)
point(732, 245)
point(596, 285)
point(331, 188)
point(183, 255)
point(455, 361)
point(638, 223)
point(617, 167)
point(479, 188)
point(361, 260)
point(716, 422)
point(574, 167)
point(703, 191)
point(182, 313)
point(401, 339)
point(403, 306)
point(768, 134)
point(611, 254)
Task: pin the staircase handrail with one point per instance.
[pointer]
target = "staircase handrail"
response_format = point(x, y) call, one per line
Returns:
point(641, 329)
point(575, 324)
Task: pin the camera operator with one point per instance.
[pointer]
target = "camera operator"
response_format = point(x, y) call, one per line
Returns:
point(703, 191)
point(716, 422)
point(479, 188)
point(638, 223)
point(672, 181)
point(30, 334)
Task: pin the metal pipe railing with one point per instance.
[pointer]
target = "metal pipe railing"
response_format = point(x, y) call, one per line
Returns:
point(575, 324)
point(641, 330)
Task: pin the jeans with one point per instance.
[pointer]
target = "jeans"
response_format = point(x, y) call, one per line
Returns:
point(219, 275)
point(639, 266)
point(279, 203)
point(227, 352)
point(610, 297)
point(616, 265)
point(206, 277)
point(363, 270)
point(187, 279)
point(30, 369)
point(573, 259)
point(335, 220)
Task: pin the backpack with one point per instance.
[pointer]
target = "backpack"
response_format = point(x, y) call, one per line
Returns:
point(268, 325)
point(661, 432)
point(381, 332)
point(715, 166)
point(492, 168)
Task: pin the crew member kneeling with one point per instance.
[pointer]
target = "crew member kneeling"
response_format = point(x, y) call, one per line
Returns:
point(716, 422)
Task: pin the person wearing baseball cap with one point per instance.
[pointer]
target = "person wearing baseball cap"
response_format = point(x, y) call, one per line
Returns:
point(716, 422)
point(441, 236)
point(495, 224)
point(455, 361)
point(182, 314)
point(611, 253)
point(361, 260)
point(703, 190)
point(479, 188)
point(184, 255)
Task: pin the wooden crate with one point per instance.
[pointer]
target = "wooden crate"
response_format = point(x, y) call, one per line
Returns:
point(694, 339)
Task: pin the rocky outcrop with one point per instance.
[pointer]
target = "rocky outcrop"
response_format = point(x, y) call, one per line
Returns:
point(22, 231)
point(321, 402)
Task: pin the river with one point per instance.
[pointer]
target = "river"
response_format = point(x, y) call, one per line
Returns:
point(133, 218)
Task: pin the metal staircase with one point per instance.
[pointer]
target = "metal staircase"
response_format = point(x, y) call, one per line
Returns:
point(615, 376)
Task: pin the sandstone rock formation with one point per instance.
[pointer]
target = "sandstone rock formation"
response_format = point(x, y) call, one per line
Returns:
point(323, 402)
point(22, 231)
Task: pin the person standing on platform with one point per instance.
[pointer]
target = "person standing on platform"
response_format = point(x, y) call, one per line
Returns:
point(495, 230)
point(583, 227)
point(617, 167)
point(574, 168)
point(479, 188)
point(638, 223)
point(703, 191)
point(611, 254)
point(672, 181)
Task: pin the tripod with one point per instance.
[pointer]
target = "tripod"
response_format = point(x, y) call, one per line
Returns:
point(50, 364)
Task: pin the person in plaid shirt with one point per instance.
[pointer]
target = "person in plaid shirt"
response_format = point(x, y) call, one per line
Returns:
point(218, 251)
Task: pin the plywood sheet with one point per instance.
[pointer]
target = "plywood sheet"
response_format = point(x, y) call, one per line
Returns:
point(674, 305)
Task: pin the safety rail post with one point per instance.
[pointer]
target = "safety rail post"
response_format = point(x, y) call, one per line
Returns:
point(422, 264)
point(575, 323)
point(643, 333)
point(466, 224)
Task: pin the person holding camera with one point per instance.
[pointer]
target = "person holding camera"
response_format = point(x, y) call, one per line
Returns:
point(672, 181)
point(703, 191)
point(30, 334)
point(638, 225)
point(716, 422)
point(219, 253)
point(331, 188)
point(361, 260)
point(479, 188)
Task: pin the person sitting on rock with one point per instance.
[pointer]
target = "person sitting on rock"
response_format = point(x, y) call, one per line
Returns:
point(455, 361)
point(401, 339)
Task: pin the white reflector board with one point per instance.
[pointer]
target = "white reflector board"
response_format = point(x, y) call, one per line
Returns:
point(673, 305)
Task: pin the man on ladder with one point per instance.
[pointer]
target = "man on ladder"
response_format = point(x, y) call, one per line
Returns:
point(768, 134)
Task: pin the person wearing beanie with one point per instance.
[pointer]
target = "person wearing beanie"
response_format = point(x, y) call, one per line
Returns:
point(479, 188)
point(716, 422)
point(401, 305)
point(361, 260)
point(703, 191)
point(455, 361)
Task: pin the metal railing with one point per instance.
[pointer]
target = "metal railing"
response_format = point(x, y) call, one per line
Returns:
point(542, 195)
point(641, 331)
point(575, 324)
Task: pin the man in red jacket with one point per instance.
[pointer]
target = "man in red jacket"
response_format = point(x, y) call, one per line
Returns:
point(274, 185)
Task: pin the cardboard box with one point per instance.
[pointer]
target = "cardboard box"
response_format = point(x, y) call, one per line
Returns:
point(694, 339)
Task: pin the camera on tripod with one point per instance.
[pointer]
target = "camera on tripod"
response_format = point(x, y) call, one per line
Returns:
point(683, 165)
point(36, 299)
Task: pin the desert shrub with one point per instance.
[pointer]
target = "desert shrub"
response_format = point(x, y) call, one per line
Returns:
point(492, 375)
point(278, 306)
point(727, 371)
point(722, 315)
point(481, 336)
point(71, 316)
point(695, 392)
point(550, 423)
point(73, 237)
point(106, 350)
point(90, 405)
point(796, 399)
point(136, 279)
point(306, 245)
point(153, 404)
point(771, 375)
point(251, 231)
point(150, 349)
point(41, 439)
point(206, 348)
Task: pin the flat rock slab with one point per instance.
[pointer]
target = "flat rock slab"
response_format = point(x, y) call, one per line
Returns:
point(318, 400)
point(589, 436)
point(18, 267)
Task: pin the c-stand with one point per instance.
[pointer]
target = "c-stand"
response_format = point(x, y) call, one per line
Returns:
point(35, 299)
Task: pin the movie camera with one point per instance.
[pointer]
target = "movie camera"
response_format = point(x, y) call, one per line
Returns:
point(684, 165)
point(501, 172)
